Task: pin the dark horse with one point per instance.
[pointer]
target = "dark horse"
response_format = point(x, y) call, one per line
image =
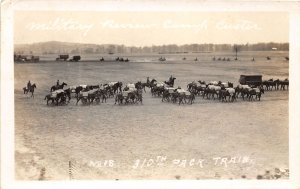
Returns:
point(171, 81)
point(56, 87)
point(30, 89)
point(59, 98)
point(117, 87)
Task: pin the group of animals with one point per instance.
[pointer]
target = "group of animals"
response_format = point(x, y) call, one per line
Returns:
point(210, 90)
point(276, 84)
point(222, 90)
point(219, 59)
point(87, 94)
point(225, 91)
point(169, 93)
point(132, 93)
point(117, 59)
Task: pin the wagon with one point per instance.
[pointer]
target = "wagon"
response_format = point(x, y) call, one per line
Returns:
point(251, 80)
point(75, 59)
point(62, 57)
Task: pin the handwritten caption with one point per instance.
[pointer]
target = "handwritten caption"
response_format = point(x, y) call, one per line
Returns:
point(62, 24)
point(164, 161)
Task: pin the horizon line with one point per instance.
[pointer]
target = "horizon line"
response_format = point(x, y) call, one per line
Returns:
point(152, 44)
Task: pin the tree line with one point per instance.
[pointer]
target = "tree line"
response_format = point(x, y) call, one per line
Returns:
point(61, 47)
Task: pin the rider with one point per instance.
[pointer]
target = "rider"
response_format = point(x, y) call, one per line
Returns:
point(28, 84)
point(57, 83)
point(171, 78)
point(148, 81)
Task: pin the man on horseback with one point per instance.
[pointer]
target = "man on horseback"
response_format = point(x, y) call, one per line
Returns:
point(28, 85)
point(57, 83)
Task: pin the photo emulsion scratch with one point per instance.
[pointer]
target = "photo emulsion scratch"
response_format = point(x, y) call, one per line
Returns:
point(151, 95)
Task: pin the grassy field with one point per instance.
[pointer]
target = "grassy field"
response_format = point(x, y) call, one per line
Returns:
point(47, 137)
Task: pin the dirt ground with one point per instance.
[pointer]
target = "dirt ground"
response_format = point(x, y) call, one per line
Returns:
point(206, 140)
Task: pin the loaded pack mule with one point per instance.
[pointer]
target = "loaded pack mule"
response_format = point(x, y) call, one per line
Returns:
point(58, 97)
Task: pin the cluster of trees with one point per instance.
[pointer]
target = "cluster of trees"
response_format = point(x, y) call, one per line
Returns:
point(76, 48)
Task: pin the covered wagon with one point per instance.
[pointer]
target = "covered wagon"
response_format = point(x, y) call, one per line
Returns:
point(63, 57)
point(251, 80)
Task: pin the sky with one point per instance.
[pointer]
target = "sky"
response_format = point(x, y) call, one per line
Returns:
point(150, 28)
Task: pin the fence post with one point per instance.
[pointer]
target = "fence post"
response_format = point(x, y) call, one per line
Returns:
point(70, 170)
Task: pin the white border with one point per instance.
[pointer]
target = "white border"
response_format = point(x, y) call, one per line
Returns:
point(7, 83)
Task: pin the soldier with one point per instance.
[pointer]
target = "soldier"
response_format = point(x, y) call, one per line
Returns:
point(57, 83)
point(28, 85)
point(171, 78)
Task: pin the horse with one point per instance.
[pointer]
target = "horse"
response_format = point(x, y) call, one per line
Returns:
point(191, 86)
point(56, 87)
point(230, 92)
point(119, 98)
point(134, 97)
point(138, 85)
point(170, 82)
point(255, 92)
point(175, 96)
point(157, 91)
point(59, 96)
point(211, 90)
point(77, 90)
point(222, 95)
point(68, 93)
point(283, 84)
point(89, 97)
point(30, 89)
point(276, 83)
point(91, 87)
point(152, 83)
point(144, 85)
point(25, 90)
point(190, 96)
point(269, 84)
point(162, 59)
point(139, 96)
point(166, 96)
point(102, 94)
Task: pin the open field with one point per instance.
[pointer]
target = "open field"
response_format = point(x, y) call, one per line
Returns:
point(49, 137)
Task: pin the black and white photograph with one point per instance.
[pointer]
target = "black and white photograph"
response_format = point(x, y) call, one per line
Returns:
point(124, 94)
